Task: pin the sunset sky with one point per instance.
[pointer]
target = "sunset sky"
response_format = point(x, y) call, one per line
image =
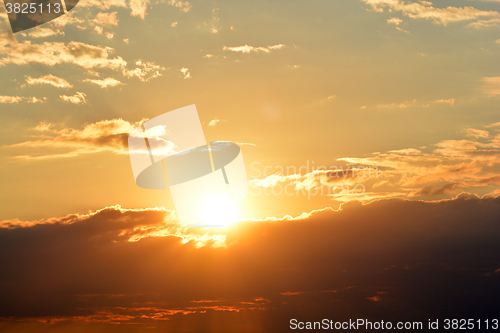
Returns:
point(397, 97)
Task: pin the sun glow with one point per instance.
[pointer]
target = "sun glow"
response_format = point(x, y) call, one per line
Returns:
point(218, 212)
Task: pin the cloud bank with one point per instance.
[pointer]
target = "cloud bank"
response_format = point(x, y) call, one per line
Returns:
point(391, 260)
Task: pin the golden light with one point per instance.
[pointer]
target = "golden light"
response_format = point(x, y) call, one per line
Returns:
point(218, 211)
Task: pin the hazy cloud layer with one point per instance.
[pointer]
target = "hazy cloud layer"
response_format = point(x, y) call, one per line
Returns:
point(491, 85)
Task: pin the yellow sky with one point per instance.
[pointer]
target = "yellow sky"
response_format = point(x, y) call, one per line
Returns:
point(411, 89)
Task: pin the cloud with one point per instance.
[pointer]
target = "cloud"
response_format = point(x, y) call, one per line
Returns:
point(185, 72)
point(214, 26)
point(68, 19)
point(215, 121)
point(466, 164)
point(184, 6)
point(103, 4)
point(78, 98)
point(480, 24)
point(431, 190)
point(406, 104)
point(444, 168)
point(10, 99)
point(327, 99)
point(497, 124)
point(425, 10)
point(337, 182)
point(105, 83)
point(6, 35)
point(276, 47)
point(42, 32)
point(450, 101)
point(17, 99)
point(59, 141)
point(56, 53)
point(395, 21)
point(145, 71)
point(247, 49)
point(139, 8)
point(246, 144)
point(105, 19)
point(100, 31)
point(35, 100)
point(476, 133)
point(491, 85)
point(50, 80)
point(86, 56)
point(90, 272)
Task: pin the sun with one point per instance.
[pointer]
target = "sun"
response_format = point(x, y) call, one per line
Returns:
point(217, 212)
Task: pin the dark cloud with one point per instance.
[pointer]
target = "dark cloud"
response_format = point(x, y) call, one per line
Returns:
point(432, 190)
point(105, 135)
point(389, 260)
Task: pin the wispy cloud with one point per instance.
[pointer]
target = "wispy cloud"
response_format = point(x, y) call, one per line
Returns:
point(185, 72)
point(10, 99)
point(34, 100)
point(61, 141)
point(426, 10)
point(480, 24)
point(105, 83)
point(215, 121)
point(144, 71)
point(43, 32)
point(138, 8)
point(497, 124)
point(55, 53)
point(50, 80)
point(106, 18)
point(184, 6)
point(16, 99)
point(247, 48)
point(450, 101)
point(491, 85)
point(395, 21)
point(414, 102)
point(453, 166)
point(77, 98)
point(476, 133)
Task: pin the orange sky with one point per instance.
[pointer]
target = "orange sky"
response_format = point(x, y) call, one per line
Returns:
point(367, 128)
